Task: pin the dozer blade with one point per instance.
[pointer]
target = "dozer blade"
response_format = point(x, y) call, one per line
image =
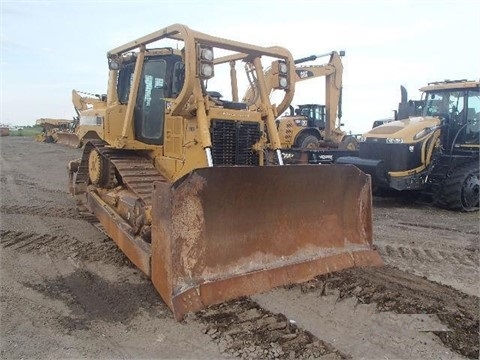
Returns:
point(69, 139)
point(225, 232)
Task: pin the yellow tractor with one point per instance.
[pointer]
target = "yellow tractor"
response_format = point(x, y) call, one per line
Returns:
point(87, 125)
point(185, 184)
point(435, 153)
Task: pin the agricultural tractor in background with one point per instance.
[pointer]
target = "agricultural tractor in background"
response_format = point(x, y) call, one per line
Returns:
point(192, 188)
point(436, 153)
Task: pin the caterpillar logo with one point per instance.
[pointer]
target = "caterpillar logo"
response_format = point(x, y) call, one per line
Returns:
point(302, 74)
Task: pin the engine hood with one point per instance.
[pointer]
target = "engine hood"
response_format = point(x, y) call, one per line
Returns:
point(402, 129)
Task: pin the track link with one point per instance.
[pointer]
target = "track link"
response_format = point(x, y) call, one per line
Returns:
point(134, 170)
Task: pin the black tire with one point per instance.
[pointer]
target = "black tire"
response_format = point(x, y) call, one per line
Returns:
point(460, 191)
point(348, 143)
point(307, 141)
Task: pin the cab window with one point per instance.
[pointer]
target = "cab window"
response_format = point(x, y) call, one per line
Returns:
point(150, 106)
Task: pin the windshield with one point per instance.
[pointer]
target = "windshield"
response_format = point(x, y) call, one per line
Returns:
point(461, 108)
point(444, 103)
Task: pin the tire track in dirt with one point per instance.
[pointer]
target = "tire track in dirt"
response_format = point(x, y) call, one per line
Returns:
point(64, 246)
point(30, 184)
point(243, 329)
point(239, 328)
point(39, 210)
point(403, 293)
point(435, 227)
point(101, 301)
point(469, 259)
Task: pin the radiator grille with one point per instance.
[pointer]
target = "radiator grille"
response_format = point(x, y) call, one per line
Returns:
point(232, 142)
point(397, 157)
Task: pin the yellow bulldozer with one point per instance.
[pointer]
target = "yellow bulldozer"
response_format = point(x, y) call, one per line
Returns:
point(193, 188)
point(51, 128)
point(87, 125)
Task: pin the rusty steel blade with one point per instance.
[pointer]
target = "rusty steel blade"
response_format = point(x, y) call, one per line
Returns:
point(225, 232)
point(69, 139)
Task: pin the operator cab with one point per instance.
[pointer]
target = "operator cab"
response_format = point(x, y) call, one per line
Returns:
point(460, 112)
point(314, 113)
point(162, 77)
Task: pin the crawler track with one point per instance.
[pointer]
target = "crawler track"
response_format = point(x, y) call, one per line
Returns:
point(136, 172)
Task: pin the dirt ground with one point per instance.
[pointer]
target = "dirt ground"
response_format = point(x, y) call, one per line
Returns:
point(67, 292)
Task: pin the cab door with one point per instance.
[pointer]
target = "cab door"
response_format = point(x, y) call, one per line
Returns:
point(149, 111)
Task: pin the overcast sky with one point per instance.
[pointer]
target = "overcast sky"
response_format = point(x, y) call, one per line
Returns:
point(49, 48)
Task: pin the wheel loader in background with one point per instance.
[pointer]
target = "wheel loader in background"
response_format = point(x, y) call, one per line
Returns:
point(436, 153)
point(181, 180)
point(87, 124)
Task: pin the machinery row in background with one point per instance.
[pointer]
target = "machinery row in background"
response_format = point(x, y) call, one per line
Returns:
point(431, 145)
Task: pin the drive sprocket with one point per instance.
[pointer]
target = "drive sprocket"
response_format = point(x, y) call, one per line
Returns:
point(100, 170)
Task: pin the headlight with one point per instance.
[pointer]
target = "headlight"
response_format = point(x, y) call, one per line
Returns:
point(206, 70)
point(113, 64)
point(205, 64)
point(282, 68)
point(423, 133)
point(394, 141)
point(280, 75)
point(282, 81)
point(301, 122)
point(207, 54)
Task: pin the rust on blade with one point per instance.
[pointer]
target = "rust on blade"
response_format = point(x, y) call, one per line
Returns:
point(137, 250)
point(69, 139)
point(195, 299)
point(225, 232)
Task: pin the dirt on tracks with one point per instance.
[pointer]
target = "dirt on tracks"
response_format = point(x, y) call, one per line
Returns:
point(68, 292)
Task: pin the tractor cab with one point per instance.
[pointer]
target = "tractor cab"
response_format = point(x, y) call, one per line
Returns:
point(459, 110)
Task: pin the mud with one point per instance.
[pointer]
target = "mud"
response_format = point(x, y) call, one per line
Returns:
point(393, 290)
point(243, 329)
point(68, 292)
